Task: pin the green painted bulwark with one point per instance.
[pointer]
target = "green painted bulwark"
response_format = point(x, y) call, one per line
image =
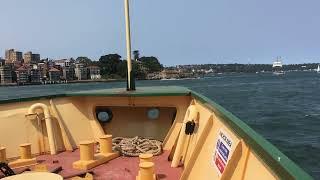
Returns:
point(141, 91)
point(33, 98)
point(279, 163)
point(115, 92)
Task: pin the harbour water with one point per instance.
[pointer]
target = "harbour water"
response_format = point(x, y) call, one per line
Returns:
point(284, 109)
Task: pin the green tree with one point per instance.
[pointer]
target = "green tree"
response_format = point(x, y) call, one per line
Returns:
point(138, 71)
point(84, 60)
point(136, 55)
point(108, 64)
point(152, 64)
point(122, 69)
point(111, 66)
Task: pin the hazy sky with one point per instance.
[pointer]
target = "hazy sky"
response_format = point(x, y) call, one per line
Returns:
point(175, 31)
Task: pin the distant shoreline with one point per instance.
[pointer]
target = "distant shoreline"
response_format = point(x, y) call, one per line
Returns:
point(123, 80)
point(68, 82)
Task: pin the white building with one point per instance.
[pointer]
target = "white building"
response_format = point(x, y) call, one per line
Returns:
point(94, 72)
point(81, 72)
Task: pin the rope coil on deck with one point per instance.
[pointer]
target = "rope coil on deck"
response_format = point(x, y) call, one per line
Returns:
point(136, 146)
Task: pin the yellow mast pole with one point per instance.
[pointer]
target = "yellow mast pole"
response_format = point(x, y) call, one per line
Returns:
point(130, 85)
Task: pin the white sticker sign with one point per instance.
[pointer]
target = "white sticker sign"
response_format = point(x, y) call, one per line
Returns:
point(222, 151)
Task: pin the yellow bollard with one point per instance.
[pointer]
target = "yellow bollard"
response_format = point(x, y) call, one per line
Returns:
point(145, 158)
point(3, 154)
point(25, 157)
point(106, 144)
point(86, 150)
point(146, 171)
point(25, 151)
point(90, 160)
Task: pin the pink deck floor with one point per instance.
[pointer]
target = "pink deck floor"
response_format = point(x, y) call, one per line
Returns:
point(121, 168)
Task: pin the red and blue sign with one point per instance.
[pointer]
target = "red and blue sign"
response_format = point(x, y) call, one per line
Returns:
point(219, 163)
point(222, 151)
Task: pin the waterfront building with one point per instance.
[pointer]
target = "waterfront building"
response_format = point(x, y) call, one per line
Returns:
point(169, 74)
point(50, 63)
point(54, 75)
point(2, 62)
point(22, 75)
point(65, 62)
point(35, 75)
point(60, 62)
point(155, 75)
point(6, 74)
point(16, 64)
point(17, 57)
point(81, 72)
point(35, 58)
point(69, 63)
point(94, 72)
point(43, 70)
point(68, 73)
point(9, 55)
point(27, 57)
point(30, 58)
point(58, 67)
point(13, 56)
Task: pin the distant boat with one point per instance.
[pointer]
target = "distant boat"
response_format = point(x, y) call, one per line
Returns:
point(277, 67)
point(318, 70)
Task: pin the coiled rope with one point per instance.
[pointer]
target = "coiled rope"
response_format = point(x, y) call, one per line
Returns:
point(136, 146)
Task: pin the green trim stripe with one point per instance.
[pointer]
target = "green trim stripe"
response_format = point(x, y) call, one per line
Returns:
point(33, 98)
point(142, 91)
point(115, 92)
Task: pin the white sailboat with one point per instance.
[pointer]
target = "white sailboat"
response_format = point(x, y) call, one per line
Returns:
point(318, 69)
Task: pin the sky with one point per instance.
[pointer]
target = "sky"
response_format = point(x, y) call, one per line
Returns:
point(175, 31)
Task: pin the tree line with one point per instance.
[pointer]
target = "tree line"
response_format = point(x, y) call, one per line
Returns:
point(246, 68)
point(112, 66)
